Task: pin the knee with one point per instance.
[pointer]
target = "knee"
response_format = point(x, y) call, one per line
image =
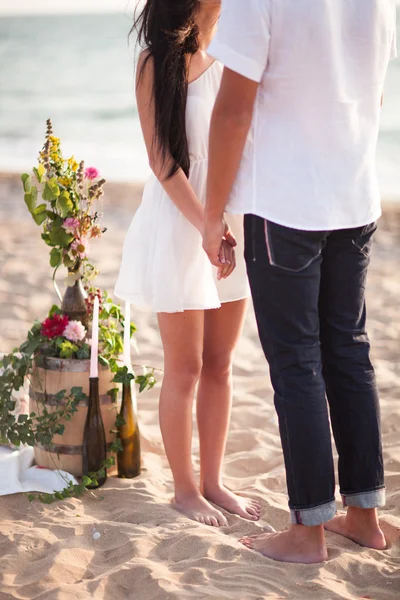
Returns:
point(217, 365)
point(346, 347)
point(186, 374)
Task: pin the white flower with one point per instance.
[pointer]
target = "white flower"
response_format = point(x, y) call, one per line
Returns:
point(74, 331)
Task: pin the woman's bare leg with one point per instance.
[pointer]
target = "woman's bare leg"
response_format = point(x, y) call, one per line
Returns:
point(222, 329)
point(182, 337)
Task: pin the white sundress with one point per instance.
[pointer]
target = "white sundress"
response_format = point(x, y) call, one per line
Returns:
point(164, 266)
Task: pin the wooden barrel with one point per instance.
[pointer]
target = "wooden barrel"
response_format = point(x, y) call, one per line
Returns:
point(50, 376)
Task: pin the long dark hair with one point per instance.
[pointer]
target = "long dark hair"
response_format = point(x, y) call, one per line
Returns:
point(167, 30)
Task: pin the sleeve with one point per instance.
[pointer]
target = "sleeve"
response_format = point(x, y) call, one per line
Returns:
point(242, 39)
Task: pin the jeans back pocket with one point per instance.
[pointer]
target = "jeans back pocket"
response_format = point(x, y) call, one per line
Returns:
point(363, 241)
point(292, 249)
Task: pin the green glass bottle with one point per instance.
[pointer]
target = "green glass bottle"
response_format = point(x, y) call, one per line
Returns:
point(94, 448)
point(128, 459)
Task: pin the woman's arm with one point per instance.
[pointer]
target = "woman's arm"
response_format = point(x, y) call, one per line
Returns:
point(177, 187)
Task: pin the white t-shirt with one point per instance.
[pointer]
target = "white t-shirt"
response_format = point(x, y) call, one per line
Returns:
point(309, 161)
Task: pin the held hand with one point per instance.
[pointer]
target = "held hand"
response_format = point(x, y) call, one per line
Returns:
point(227, 259)
point(229, 237)
point(213, 234)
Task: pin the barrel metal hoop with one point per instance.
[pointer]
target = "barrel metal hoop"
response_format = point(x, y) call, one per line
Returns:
point(62, 449)
point(51, 363)
point(51, 399)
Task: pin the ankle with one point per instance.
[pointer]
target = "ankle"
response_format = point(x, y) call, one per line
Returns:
point(211, 486)
point(312, 535)
point(183, 492)
point(362, 516)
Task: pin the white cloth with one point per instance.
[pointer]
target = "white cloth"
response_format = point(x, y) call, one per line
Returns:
point(18, 475)
point(164, 266)
point(309, 162)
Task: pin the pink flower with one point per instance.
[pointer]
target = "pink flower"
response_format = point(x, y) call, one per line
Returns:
point(95, 232)
point(80, 247)
point(91, 173)
point(71, 225)
point(74, 331)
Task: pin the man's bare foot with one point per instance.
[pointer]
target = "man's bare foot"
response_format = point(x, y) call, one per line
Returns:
point(299, 544)
point(194, 506)
point(237, 505)
point(360, 525)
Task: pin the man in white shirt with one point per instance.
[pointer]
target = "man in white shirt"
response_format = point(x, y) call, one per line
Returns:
point(292, 146)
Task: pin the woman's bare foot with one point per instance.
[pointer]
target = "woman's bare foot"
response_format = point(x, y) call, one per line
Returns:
point(299, 544)
point(360, 525)
point(194, 506)
point(237, 505)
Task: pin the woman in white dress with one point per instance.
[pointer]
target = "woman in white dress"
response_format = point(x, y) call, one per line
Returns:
point(200, 309)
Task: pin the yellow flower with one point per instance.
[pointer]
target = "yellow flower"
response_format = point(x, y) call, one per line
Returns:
point(65, 181)
point(54, 139)
point(54, 156)
point(73, 164)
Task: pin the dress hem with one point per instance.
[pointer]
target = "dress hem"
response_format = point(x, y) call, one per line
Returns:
point(139, 303)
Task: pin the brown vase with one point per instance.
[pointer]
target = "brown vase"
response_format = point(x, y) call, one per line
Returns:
point(73, 303)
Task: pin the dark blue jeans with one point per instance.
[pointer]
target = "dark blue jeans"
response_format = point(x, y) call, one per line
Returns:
point(308, 290)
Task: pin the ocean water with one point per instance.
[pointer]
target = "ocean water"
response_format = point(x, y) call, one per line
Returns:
point(78, 70)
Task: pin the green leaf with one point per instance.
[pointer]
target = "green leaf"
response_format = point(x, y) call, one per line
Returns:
point(83, 352)
point(64, 204)
point(68, 349)
point(39, 172)
point(59, 237)
point(55, 310)
point(29, 201)
point(113, 393)
point(59, 397)
point(31, 497)
point(46, 237)
point(55, 257)
point(39, 214)
point(103, 361)
point(27, 182)
point(51, 190)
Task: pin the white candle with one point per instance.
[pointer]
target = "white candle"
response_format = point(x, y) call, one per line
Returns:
point(127, 350)
point(94, 367)
point(127, 336)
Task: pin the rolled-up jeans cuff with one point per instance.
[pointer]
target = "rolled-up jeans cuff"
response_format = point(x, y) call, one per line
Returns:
point(370, 499)
point(316, 515)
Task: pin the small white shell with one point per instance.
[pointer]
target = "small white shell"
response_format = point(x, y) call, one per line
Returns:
point(96, 535)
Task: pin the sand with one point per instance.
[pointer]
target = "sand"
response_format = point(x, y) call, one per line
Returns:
point(147, 551)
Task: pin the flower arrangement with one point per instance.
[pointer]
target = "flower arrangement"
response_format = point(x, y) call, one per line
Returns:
point(70, 219)
point(70, 211)
point(62, 337)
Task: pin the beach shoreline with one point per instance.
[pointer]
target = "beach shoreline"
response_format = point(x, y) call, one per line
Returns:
point(147, 550)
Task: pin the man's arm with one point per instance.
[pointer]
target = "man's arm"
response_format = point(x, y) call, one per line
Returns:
point(230, 124)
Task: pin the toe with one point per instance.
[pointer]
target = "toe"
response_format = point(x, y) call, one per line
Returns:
point(255, 503)
point(207, 520)
point(214, 521)
point(222, 521)
point(251, 510)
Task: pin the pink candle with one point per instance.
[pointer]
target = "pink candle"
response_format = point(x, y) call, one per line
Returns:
point(94, 367)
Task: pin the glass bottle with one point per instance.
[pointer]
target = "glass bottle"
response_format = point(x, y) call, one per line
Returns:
point(94, 448)
point(128, 459)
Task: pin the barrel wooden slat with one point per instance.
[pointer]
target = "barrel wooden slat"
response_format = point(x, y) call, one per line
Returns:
point(50, 376)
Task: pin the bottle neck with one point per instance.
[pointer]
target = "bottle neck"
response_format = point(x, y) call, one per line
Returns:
point(94, 398)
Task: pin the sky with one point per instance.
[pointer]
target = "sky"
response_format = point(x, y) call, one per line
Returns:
point(26, 7)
